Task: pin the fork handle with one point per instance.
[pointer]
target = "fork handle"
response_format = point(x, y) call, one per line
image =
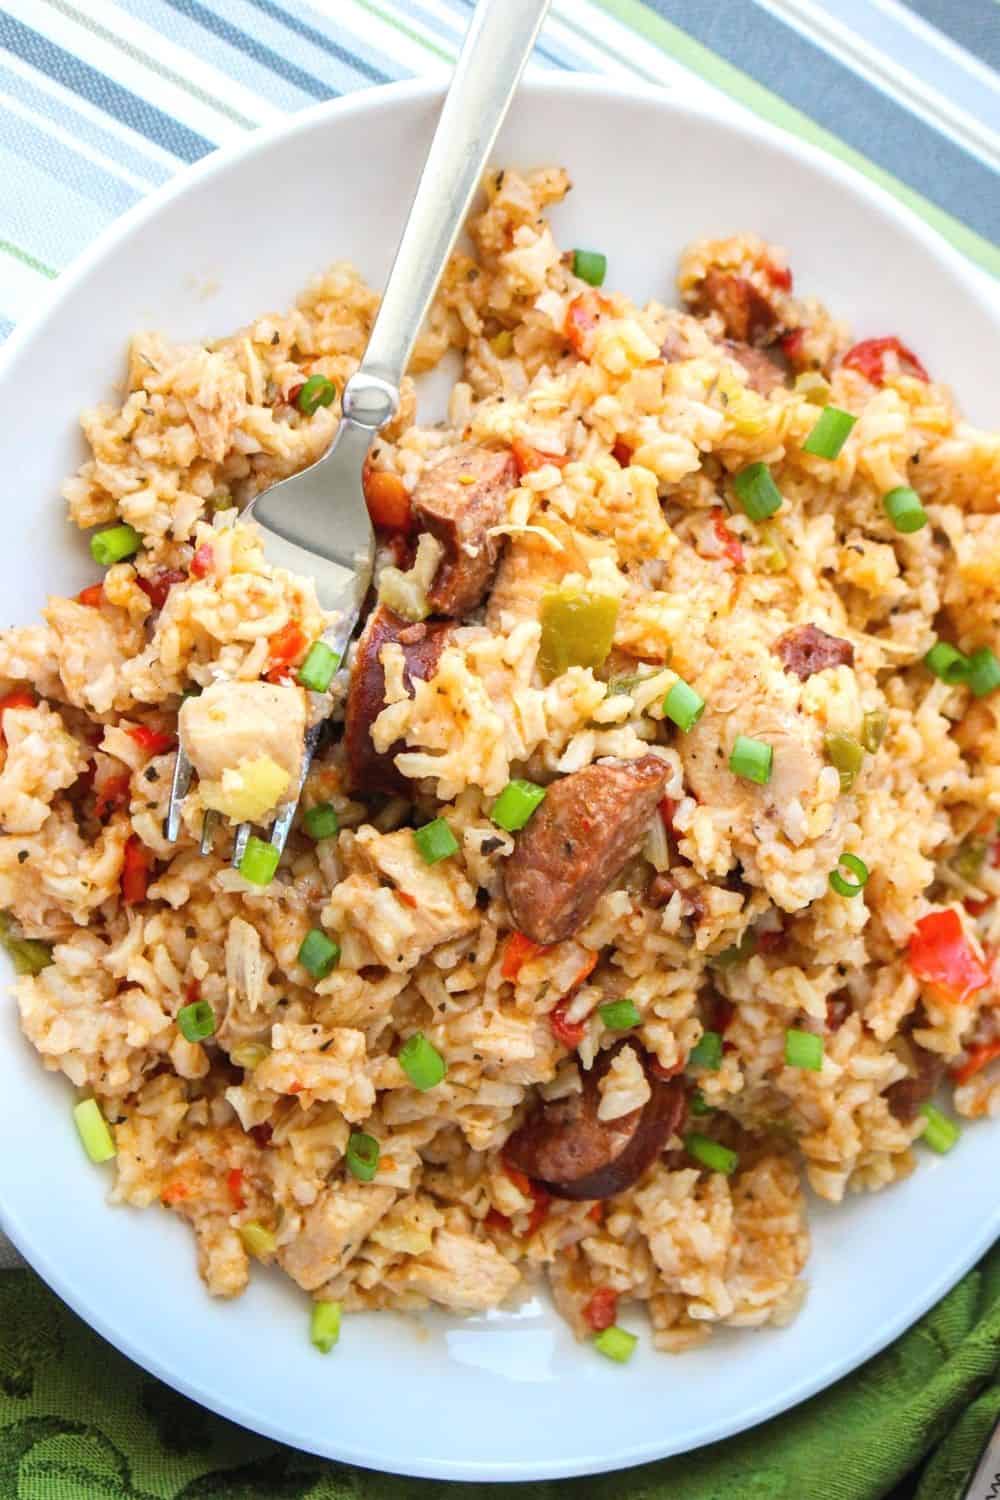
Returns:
point(496, 48)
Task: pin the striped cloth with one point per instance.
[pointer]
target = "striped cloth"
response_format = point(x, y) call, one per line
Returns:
point(106, 99)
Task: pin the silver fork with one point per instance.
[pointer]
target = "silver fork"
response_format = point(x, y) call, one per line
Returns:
point(316, 523)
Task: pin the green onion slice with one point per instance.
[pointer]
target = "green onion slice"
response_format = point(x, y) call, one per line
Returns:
point(619, 1015)
point(318, 391)
point(873, 727)
point(257, 1240)
point(803, 1049)
point(751, 759)
point(28, 955)
point(318, 954)
point(422, 1063)
point(591, 266)
point(515, 804)
point(362, 1155)
point(757, 492)
point(616, 1343)
point(984, 672)
point(321, 821)
point(435, 841)
point(316, 672)
point(830, 433)
point(947, 663)
point(857, 868)
point(707, 1053)
point(259, 862)
point(196, 1021)
point(940, 1133)
point(902, 506)
point(114, 545)
point(683, 705)
point(845, 753)
point(969, 859)
point(324, 1326)
point(738, 954)
point(98, 1142)
point(699, 1104)
point(710, 1154)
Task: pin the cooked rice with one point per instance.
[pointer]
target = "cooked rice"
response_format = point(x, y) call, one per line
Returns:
point(204, 427)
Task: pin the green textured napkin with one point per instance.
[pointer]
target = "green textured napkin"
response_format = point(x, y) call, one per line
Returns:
point(79, 1422)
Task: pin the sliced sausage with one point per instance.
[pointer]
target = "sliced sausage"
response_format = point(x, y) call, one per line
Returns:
point(458, 500)
point(807, 649)
point(750, 317)
point(573, 1154)
point(422, 646)
point(765, 374)
point(577, 843)
point(907, 1095)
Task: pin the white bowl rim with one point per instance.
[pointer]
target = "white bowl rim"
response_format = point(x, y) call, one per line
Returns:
point(218, 162)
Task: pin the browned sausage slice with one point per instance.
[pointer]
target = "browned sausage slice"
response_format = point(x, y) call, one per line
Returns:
point(458, 500)
point(573, 1154)
point(749, 316)
point(422, 646)
point(807, 649)
point(588, 827)
point(765, 375)
point(905, 1097)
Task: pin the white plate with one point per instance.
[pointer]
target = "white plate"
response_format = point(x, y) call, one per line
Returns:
point(509, 1395)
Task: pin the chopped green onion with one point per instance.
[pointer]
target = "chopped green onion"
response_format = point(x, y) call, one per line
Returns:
point(422, 1062)
point(873, 728)
point(590, 265)
point(940, 1133)
point(317, 391)
point(968, 861)
point(28, 955)
point(845, 753)
point(707, 1053)
point(196, 1021)
point(757, 492)
point(515, 804)
point(318, 953)
point(249, 1055)
point(751, 759)
point(98, 1142)
point(775, 558)
point(362, 1155)
point(710, 1153)
point(321, 821)
point(114, 545)
point(700, 1105)
point(259, 862)
point(318, 668)
point(947, 663)
point(902, 506)
point(984, 672)
point(435, 841)
point(857, 867)
point(830, 433)
point(739, 953)
point(803, 1049)
point(629, 684)
point(257, 1240)
point(683, 705)
point(324, 1327)
point(616, 1343)
point(619, 1015)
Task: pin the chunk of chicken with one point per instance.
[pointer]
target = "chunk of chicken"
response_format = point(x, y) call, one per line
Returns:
point(91, 655)
point(333, 1231)
point(462, 1272)
point(234, 722)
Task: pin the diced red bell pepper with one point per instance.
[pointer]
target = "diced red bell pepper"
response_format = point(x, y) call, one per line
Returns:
point(602, 1309)
point(388, 499)
point(668, 807)
point(977, 1060)
point(532, 1190)
point(92, 596)
point(158, 587)
point(286, 649)
point(175, 1192)
point(292, 394)
point(623, 453)
point(496, 1220)
point(234, 1187)
point(779, 276)
point(582, 318)
point(112, 794)
point(731, 545)
point(516, 954)
point(569, 1033)
point(792, 347)
point(868, 358)
point(528, 459)
point(136, 865)
point(152, 741)
point(203, 561)
point(943, 958)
